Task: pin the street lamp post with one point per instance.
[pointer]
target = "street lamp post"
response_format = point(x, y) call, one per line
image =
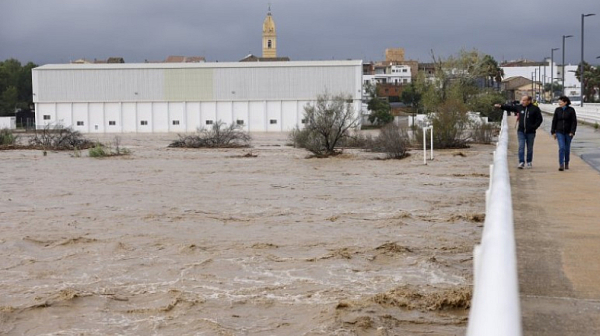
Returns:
point(583, 16)
point(539, 83)
point(597, 57)
point(532, 78)
point(552, 74)
point(563, 61)
point(537, 73)
point(544, 80)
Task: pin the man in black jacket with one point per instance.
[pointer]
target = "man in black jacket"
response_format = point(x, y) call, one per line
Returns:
point(530, 118)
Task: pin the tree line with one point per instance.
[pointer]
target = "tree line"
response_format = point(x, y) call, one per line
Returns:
point(16, 92)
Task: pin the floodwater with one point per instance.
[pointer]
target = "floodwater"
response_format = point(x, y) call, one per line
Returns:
point(211, 242)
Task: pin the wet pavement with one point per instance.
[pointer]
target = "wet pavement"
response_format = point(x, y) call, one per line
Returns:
point(557, 235)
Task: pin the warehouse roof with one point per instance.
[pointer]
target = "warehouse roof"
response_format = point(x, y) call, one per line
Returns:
point(198, 65)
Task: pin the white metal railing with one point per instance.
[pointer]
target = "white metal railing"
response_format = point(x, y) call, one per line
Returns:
point(589, 113)
point(430, 128)
point(495, 307)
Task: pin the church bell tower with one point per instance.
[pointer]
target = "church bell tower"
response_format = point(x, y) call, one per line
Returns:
point(269, 37)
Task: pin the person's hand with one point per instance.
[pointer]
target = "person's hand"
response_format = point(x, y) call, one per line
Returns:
point(497, 105)
point(554, 136)
point(571, 135)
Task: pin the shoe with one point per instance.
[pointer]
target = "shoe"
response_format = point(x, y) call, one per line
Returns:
point(566, 166)
point(529, 166)
point(521, 165)
point(561, 168)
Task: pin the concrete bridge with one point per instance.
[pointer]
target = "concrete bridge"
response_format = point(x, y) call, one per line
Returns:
point(557, 232)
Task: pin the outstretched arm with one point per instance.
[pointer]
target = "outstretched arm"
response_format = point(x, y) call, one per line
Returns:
point(506, 107)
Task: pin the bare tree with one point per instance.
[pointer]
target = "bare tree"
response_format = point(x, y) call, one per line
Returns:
point(59, 138)
point(328, 121)
point(393, 140)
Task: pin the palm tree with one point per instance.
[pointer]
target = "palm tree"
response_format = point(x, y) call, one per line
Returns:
point(592, 79)
point(491, 71)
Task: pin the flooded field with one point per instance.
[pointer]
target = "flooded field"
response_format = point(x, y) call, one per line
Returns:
point(212, 242)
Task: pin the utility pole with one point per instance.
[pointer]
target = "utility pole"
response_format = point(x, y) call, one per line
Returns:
point(552, 74)
point(544, 80)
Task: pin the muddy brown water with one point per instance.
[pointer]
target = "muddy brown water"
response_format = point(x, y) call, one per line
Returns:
point(209, 242)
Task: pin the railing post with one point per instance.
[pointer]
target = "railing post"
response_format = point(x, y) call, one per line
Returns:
point(425, 143)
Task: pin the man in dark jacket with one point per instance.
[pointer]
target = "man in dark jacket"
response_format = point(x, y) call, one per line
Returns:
point(530, 118)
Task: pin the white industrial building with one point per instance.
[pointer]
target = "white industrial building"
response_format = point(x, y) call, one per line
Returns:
point(168, 97)
point(8, 123)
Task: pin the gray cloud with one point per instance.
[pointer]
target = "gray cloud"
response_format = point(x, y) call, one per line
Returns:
point(57, 31)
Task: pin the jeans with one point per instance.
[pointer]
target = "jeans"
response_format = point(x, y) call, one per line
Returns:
point(526, 139)
point(564, 148)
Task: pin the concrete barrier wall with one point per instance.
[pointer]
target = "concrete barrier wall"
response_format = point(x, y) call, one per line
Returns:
point(589, 113)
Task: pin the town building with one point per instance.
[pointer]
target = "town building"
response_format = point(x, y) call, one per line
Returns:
point(540, 72)
point(388, 79)
point(394, 55)
point(519, 86)
point(185, 59)
point(99, 61)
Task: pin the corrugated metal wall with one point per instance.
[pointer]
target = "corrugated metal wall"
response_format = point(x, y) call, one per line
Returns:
point(77, 84)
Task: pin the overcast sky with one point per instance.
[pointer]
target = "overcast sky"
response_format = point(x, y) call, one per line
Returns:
point(58, 31)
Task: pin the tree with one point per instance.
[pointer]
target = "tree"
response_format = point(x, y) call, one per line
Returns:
point(591, 78)
point(449, 122)
point(553, 87)
point(328, 122)
point(15, 86)
point(491, 71)
point(9, 98)
point(380, 109)
point(412, 97)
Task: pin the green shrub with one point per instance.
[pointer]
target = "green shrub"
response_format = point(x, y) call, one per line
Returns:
point(7, 137)
point(98, 151)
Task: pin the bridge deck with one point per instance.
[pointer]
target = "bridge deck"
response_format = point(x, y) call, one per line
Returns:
point(557, 228)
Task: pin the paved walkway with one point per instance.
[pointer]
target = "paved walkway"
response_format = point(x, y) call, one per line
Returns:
point(557, 228)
